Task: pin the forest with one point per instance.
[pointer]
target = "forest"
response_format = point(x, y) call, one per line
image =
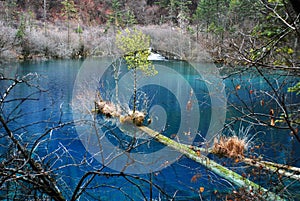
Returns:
point(232, 31)
point(149, 100)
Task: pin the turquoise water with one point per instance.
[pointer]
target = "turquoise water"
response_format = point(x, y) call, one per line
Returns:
point(54, 106)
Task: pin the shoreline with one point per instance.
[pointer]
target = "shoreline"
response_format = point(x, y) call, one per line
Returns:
point(32, 42)
point(35, 43)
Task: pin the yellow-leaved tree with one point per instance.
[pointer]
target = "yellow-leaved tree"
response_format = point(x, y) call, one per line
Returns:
point(135, 45)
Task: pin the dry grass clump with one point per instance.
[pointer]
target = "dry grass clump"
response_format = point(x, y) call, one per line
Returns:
point(136, 118)
point(110, 110)
point(107, 108)
point(232, 147)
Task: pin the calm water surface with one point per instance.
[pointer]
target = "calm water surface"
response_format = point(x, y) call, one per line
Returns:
point(58, 80)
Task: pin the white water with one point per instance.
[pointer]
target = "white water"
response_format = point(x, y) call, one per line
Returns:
point(156, 57)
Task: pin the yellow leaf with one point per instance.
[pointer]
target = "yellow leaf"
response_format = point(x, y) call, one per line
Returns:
point(290, 51)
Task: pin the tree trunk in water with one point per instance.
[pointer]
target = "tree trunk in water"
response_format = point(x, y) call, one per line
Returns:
point(285, 170)
point(274, 167)
point(68, 33)
point(134, 89)
point(222, 171)
point(45, 17)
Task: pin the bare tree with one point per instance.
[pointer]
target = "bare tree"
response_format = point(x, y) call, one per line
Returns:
point(19, 167)
point(6, 38)
point(35, 164)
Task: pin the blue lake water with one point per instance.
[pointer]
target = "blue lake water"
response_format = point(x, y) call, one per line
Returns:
point(165, 97)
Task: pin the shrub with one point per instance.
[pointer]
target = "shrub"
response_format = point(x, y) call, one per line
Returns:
point(7, 39)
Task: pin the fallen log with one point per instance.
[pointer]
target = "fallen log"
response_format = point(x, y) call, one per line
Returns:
point(194, 153)
point(236, 152)
point(222, 171)
point(284, 170)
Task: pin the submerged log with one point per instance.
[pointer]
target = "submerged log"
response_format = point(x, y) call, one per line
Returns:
point(285, 170)
point(110, 110)
point(222, 171)
point(281, 166)
point(233, 147)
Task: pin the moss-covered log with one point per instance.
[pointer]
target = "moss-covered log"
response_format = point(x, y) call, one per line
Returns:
point(194, 153)
point(285, 170)
point(222, 171)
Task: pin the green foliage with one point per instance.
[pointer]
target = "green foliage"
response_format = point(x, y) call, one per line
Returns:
point(120, 18)
point(213, 14)
point(278, 2)
point(205, 11)
point(69, 9)
point(190, 30)
point(79, 29)
point(242, 9)
point(183, 7)
point(220, 16)
point(285, 49)
point(135, 46)
point(266, 30)
point(11, 10)
point(174, 4)
point(275, 48)
point(215, 29)
point(294, 113)
point(130, 18)
point(275, 39)
point(21, 32)
point(197, 16)
point(178, 9)
point(116, 16)
point(295, 88)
